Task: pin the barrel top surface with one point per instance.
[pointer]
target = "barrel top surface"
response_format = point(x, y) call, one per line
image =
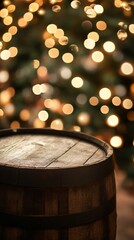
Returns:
point(50, 149)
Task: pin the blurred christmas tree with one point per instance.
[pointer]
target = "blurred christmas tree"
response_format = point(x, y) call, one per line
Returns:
point(69, 64)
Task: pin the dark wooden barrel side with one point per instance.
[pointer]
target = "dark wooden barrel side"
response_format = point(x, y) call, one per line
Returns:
point(80, 205)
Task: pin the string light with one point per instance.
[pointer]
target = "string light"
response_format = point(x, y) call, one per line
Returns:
point(1, 113)
point(105, 93)
point(109, 46)
point(112, 120)
point(57, 124)
point(33, 7)
point(127, 103)
point(101, 25)
point(127, 68)
point(5, 54)
point(77, 82)
point(116, 101)
point(67, 57)
point(94, 101)
point(67, 109)
point(65, 72)
point(97, 56)
point(43, 115)
point(84, 118)
point(104, 109)
point(53, 53)
point(4, 76)
point(116, 141)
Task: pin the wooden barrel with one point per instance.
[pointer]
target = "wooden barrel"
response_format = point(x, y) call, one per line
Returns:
point(56, 185)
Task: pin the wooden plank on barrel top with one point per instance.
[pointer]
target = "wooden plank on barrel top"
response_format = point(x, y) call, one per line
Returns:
point(33, 151)
point(77, 155)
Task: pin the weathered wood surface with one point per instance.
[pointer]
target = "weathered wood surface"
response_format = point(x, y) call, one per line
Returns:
point(51, 175)
point(40, 151)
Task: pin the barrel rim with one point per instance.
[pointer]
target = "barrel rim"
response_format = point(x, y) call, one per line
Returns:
point(70, 134)
point(55, 177)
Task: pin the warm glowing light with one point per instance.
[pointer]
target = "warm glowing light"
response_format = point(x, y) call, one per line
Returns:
point(5, 97)
point(42, 72)
point(48, 103)
point(118, 3)
point(67, 57)
point(75, 4)
point(11, 8)
point(25, 114)
point(127, 68)
point(104, 109)
point(53, 53)
point(41, 12)
point(83, 118)
point(105, 93)
point(38, 123)
point(59, 33)
point(101, 25)
point(49, 42)
point(28, 16)
point(15, 124)
point(53, 104)
point(97, 56)
point(98, 9)
point(131, 28)
point(9, 109)
point(127, 103)
point(116, 101)
point(63, 40)
point(90, 12)
point(122, 34)
point(4, 76)
point(77, 82)
point(76, 128)
point(57, 124)
point(36, 63)
point(43, 115)
point(8, 20)
point(51, 28)
point(56, 8)
point(94, 36)
point(132, 88)
point(94, 101)
point(6, 2)
point(116, 141)
point(1, 113)
point(36, 89)
point(89, 43)
point(13, 30)
point(67, 109)
point(5, 55)
point(3, 13)
point(13, 52)
point(109, 46)
point(112, 120)
point(65, 73)
point(33, 7)
point(22, 23)
point(7, 37)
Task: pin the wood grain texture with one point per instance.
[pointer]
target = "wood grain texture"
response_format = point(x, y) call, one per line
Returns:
point(47, 152)
point(56, 175)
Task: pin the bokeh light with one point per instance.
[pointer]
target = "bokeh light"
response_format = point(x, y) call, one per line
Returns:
point(116, 141)
point(105, 93)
